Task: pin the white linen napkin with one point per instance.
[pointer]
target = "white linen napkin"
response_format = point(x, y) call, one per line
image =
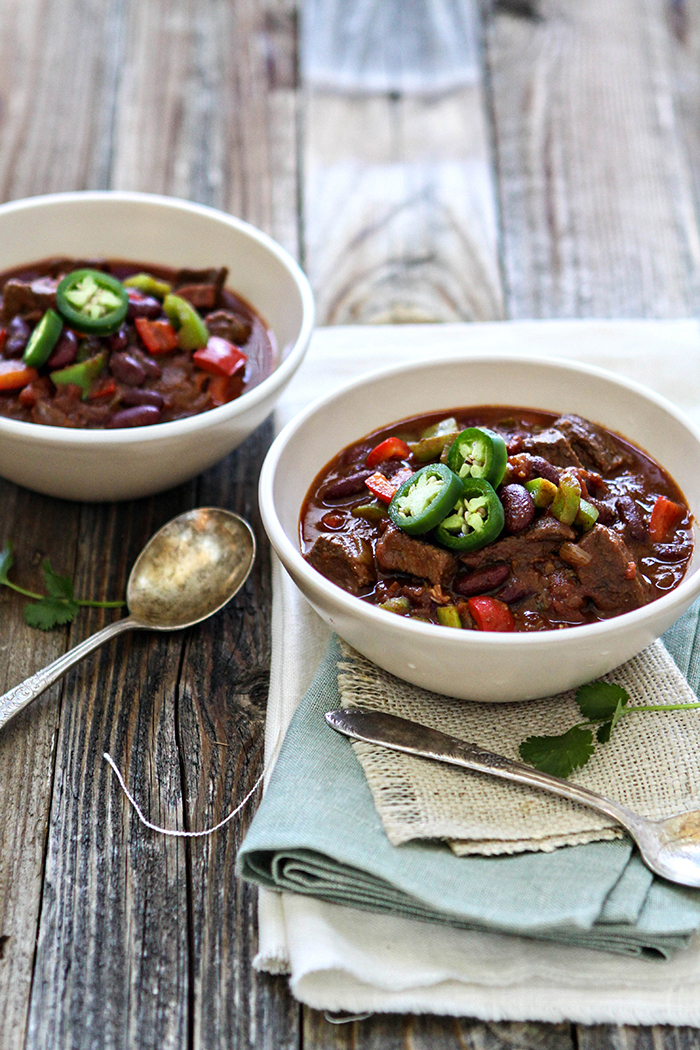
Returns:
point(341, 959)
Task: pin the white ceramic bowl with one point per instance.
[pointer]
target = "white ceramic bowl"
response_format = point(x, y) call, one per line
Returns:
point(125, 464)
point(476, 665)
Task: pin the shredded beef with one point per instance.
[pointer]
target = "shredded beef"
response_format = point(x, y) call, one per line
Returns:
point(596, 449)
point(610, 579)
point(344, 559)
point(28, 299)
point(397, 552)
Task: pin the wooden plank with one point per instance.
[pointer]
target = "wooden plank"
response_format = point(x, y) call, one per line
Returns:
point(391, 1032)
point(27, 745)
point(596, 195)
point(207, 107)
point(399, 220)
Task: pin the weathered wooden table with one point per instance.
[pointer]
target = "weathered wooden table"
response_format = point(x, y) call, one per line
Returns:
point(540, 159)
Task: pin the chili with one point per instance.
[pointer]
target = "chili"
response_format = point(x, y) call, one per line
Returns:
point(425, 499)
point(479, 453)
point(92, 301)
point(477, 518)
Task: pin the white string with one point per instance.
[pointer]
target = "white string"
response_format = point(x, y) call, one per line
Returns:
point(188, 834)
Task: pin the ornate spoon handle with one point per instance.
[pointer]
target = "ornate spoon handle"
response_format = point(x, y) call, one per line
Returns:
point(21, 695)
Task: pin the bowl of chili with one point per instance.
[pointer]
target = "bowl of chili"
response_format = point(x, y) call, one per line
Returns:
point(308, 493)
point(79, 419)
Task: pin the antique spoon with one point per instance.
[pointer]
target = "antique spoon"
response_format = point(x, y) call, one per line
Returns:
point(670, 847)
point(189, 570)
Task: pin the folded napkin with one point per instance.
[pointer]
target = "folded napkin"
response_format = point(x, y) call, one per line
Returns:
point(651, 764)
point(317, 833)
point(345, 958)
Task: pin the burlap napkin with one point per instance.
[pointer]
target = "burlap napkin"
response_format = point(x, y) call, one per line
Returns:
point(651, 764)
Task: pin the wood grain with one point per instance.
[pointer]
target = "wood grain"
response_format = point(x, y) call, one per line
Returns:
point(399, 221)
point(595, 188)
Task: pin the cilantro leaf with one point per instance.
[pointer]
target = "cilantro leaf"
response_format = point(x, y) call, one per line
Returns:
point(57, 586)
point(6, 562)
point(599, 701)
point(559, 755)
point(50, 612)
point(603, 732)
point(606, 728)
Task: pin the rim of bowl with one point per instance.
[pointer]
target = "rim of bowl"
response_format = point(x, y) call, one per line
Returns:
point(249, 399)
point(287, 552)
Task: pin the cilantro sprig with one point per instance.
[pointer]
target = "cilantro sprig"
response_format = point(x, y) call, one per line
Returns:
point(602, 704)
point(57, 607)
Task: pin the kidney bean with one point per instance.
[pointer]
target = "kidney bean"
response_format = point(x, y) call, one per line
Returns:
point(120, 339)
point(142, 306)
point(542, 468)
point(135, 396)
point(481, 580)
point(346, 486)
point(18, 332)
point(127, 369)
point(607, 515)
point(136, 416)
point(518, 507)
point(65, 351)
point(148, 363)
point(629, 512)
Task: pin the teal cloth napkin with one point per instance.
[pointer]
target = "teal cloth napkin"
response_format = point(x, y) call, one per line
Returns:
point(317, 833)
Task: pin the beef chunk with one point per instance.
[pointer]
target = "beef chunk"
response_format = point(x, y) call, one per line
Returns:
point(610, 578)
point(202, 288)
point(397, 552)
point(28, 299)
point(593, 446)
point(344, 559)
point(541, 540)
point(553, 446)
point(228, 325)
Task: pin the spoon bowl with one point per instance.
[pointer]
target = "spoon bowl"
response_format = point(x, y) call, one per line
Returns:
point(189, 570)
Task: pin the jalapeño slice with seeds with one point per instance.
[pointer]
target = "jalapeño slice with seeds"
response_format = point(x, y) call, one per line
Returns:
point(43, 339)
point(477, 518)
point(424, 499)
point(92, 301)
point(478, 453)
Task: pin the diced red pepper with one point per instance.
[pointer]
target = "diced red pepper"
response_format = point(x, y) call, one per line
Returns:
point(219, 357)
point(38, 388)
point(159, 337)
point(665, 517)
point(223, 389)
point(3, 337)
point(490, 614)
point(391, 448)
point(381, 487)
point(102, 388)
point(14, 375)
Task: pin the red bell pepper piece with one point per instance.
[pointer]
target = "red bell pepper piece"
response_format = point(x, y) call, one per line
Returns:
point(219, 357)
point(159, 337)
point(381, 487)
point(490, 614)
point(665, 516)
point(102, 388)
point(223, 389)
point(14, 375)
point(391, 448)
point(3, 337)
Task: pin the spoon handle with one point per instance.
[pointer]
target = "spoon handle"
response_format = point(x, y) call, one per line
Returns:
point(21, 695)
point(400, 734)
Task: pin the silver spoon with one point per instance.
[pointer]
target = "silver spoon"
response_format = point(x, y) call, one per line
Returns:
point(189, 570)
point(670, 847)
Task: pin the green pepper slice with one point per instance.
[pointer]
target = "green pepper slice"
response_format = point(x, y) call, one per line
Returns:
point(82, 374)
point(92, 301)
point(477, 518)
point(192, 332)
point(424, 499)
point(479, 453)
point(565, 504)
point(43, 339)
point(148, 284)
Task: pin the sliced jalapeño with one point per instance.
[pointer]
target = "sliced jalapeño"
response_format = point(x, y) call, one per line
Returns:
point(424, 499)
point(476, 519)
point(92, 301)
point(478, 453)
